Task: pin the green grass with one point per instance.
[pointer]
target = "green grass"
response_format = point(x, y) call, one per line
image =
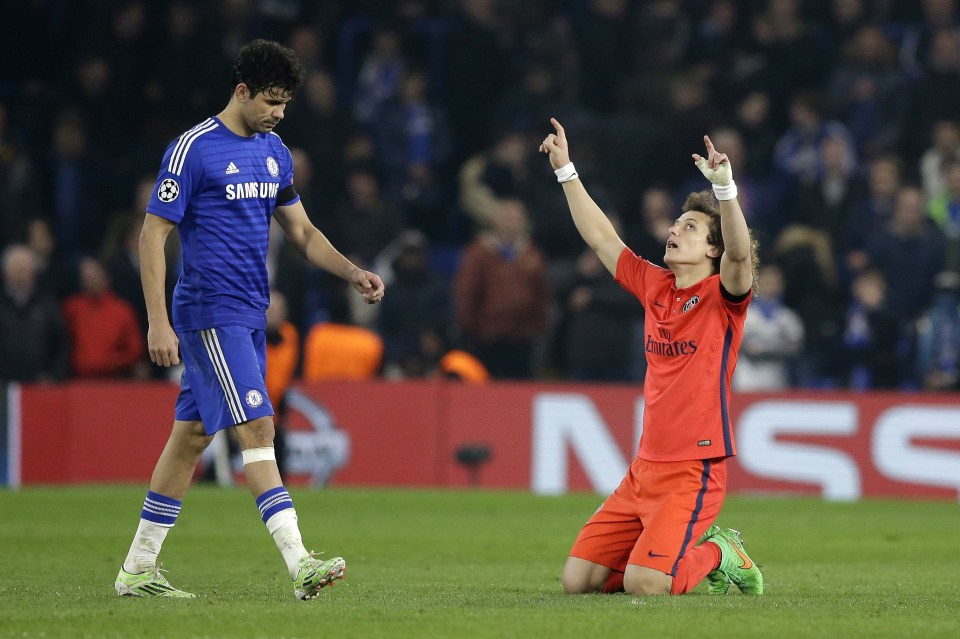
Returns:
point(464, 564)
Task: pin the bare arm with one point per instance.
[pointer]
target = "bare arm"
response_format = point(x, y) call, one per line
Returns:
point(162, 342)
point(591, 222)
point(736, 263)
point(318, 250)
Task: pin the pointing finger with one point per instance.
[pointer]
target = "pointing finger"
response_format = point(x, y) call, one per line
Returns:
point(709, 144)
point(556, 125)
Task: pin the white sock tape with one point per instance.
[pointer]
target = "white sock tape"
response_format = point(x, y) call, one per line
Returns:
point(253, 455)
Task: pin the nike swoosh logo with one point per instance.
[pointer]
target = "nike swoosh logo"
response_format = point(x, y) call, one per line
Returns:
point(747, 564)
point(650, 553)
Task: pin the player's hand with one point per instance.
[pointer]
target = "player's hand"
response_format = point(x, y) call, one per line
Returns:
point(716, 166)
point(369, 285)
point(555, 145)
point(163, 345)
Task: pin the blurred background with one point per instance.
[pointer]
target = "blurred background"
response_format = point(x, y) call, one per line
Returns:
point(415, 140)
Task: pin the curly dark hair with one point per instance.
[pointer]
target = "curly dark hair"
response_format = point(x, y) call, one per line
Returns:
point(705, 202)
point(268, 67)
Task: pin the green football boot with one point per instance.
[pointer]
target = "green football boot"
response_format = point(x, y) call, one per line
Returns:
point(717, 581)
point(735, 563)
point(314, 573)
point(151, 583)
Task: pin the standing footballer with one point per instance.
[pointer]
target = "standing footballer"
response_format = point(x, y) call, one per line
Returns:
point(219, 184)
point(654, 534)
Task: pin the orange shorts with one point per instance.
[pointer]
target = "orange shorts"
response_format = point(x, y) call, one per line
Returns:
point(655, 515)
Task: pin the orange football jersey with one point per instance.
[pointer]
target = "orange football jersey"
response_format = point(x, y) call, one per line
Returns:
point(691, 337)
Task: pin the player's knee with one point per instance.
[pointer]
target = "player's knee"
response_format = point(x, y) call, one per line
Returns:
point(578, 581)
point(190, 439)
point(576, 585)
point(257, 433)
point(646, 582)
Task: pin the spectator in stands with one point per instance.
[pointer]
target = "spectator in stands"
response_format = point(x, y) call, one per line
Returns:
point(797, 154)
point(754, 120)
point(106, 338)
point(502, 171)
point(871, 337)
point(917, 43)
point(414, 145)
point(17, 176)
point(945, 211)
point(938, 337)
point(56, 272)
point(873, 211)
point(380, 75)
point(866, 90)
point(364, 222)
point(34, 346)
point(597, 324)
point(418, 306)
point(945, 146)
point(875, 208)
point(772, 337)
point(823, 204)
point(935, 96)
point(909, 252)
point(76, 187)
point(501, 294)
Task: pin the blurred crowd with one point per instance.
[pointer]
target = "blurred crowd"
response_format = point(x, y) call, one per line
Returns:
point(415, 146)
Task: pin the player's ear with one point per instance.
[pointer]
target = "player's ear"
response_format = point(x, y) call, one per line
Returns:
point(241, 92)
point(713, 252)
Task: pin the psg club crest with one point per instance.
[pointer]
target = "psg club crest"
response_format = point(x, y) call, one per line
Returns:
point(168, 191)
point(273, 167)
point(690, 303)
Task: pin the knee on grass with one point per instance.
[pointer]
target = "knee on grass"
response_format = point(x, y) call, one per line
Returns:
point(638, 580)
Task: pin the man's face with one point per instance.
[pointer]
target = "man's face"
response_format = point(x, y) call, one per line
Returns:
point(264, 111)
point(687, 243)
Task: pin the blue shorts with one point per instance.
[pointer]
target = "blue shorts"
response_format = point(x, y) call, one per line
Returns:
point(223, 382)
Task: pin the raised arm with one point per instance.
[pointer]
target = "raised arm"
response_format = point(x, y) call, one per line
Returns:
point(318, 250)
point(594, 227)
point(736, 263)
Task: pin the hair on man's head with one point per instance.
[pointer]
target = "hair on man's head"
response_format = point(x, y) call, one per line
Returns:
point(268, 67)
point(705, 202)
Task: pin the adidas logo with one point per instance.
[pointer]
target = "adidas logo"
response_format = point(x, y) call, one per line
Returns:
point(232, 168)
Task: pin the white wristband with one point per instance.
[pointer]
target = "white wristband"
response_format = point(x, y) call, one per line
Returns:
point(726, 192)
point(566, 173)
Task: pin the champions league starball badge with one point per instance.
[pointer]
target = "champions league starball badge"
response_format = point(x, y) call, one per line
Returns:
point(168, 190)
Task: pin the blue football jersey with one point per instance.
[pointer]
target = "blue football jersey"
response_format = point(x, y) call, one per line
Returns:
point(221, 189)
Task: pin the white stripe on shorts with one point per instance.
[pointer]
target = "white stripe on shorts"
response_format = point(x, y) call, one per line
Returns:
point(219, 362)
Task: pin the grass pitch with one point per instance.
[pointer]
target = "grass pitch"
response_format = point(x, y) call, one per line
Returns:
point(464, 564)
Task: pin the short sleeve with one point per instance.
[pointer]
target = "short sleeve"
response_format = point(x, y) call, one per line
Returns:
point(632, 273)
point(180, 173)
